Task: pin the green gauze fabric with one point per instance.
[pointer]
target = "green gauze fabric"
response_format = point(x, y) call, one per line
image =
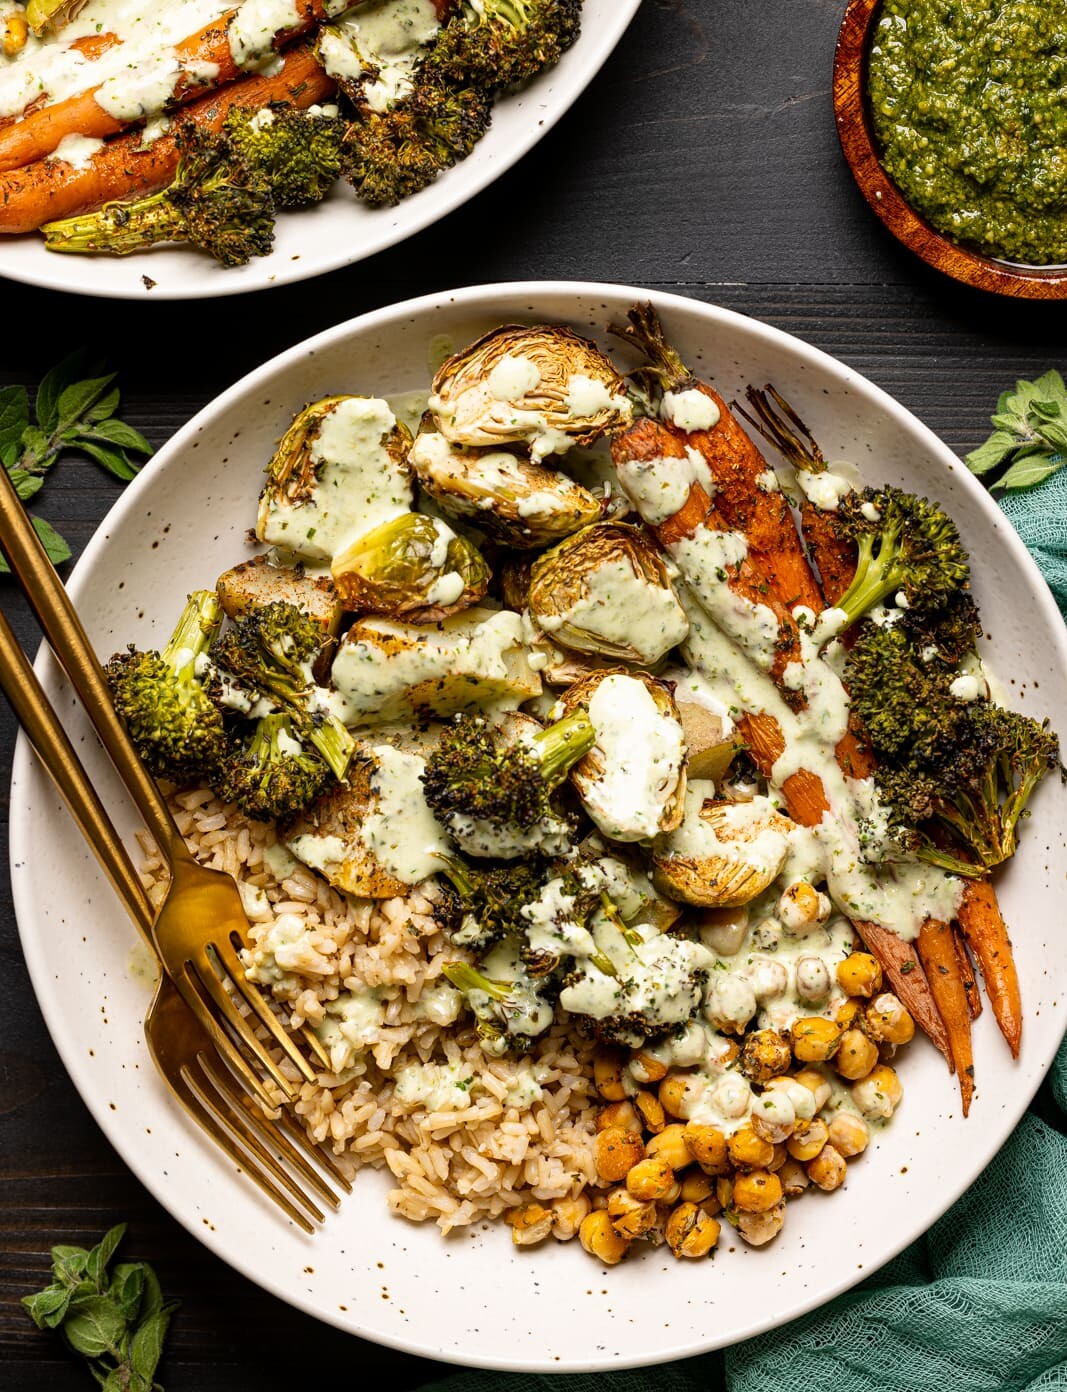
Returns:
point(977, 1305)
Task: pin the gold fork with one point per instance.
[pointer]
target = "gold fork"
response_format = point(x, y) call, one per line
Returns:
point(202, 922)
point(218, 1090)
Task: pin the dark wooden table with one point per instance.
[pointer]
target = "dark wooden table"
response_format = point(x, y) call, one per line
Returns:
point(702, 160)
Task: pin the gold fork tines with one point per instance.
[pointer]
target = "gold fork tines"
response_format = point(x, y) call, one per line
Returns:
point(203, 910)
point(197, 1060)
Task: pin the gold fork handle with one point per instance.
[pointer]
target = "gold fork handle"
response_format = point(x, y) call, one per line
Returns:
point(68, 640)
point(36, 716)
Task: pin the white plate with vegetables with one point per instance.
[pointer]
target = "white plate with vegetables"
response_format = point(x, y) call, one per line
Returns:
point(124, 78)
point(797, 1025)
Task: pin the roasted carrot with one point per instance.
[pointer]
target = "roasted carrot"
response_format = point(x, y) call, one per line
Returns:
point(909, 980)
point(986, 933)
point(641, 448)
point(49, 190)
point(937, 952)
point(39, 133)
point(970, 984)
point(834, 556)
point(739, 471)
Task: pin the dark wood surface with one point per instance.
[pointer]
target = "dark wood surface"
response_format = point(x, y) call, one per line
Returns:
point(704, 160)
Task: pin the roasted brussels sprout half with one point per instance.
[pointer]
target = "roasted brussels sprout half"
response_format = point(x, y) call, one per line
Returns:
point(632, 782)
point(339, 470)
point(50, 16)
point(543, 386)
point(414, 567)
point(724, 854)
point(606, 591)
point(510, 498)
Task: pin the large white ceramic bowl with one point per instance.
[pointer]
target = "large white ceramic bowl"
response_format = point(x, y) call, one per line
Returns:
point(476, 1299)
point(340, 230)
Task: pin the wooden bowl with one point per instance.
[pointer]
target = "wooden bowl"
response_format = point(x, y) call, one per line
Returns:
point(856, 131)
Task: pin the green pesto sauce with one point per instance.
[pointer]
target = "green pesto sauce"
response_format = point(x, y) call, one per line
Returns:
point(970, 108)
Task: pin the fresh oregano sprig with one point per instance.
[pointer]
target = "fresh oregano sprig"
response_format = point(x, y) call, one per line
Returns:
point(1029, 439)
point(74, 411)
point(113, 1316)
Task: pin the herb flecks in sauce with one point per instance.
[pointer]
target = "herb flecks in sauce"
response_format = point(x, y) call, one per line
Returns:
point(967, 99)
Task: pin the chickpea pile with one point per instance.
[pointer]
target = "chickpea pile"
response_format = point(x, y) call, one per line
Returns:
point(670, 1179)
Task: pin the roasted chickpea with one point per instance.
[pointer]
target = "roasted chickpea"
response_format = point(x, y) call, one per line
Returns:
point(759, 1228)
point(847, 1013)
point(828, 1169)
point(813, 979)
point(646, 1068)
point(802, 908)
point(691, 1232)
point(630, 1217)
point(616, 1153)
point(815, 1039)
point(765, 1054)
point(670, 1145)
point(849, 1134)
point(650, 1179)
point(723, 930)
point(878, 1095)
point(568, 1215)
point(757, 1191)
point(699, 1188)
point(608, 1076)
point(730, 1003)
point(600, 1239)
point(859, 974)
point(15, 32)
point(856, 1056)
point(816, 1084)
point(620, 1114)
point(805, 1144)
point(888, 1022)
point(676, 1091)
point(749, 1151)
point(530, 1224)
point(773, 1116)
point(794, 1179)
point(650, 1110)
point(707, 1144)
point(802, 1098)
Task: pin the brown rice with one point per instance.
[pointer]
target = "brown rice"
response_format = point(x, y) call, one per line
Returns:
point(504, 1132)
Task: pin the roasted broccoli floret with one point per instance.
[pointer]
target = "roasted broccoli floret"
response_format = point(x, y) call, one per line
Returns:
point(217, 203)
point(494, 794)
point(389, 155)
point(271, 649)
point(955, 774)
point(950, 631)
point(904, 701)
point(905, 545)
point(177, 728)
point(298, 151)
point(655, 983)
point(273, 776)
point(511, 1007)
point(490, 902)
point(498, 43)
point(985, 777)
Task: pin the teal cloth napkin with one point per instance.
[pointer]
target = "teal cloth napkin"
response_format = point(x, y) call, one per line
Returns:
point(977, 1305)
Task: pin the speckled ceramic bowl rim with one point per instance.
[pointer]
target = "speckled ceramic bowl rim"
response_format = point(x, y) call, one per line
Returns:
point(852, 112)
point(495, 301)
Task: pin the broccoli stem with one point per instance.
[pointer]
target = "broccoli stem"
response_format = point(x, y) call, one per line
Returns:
point(197, 629)
point(332, 741)
point(466, 978)
point(457, 873)
point(876, 576)
point(118, 228)
point(611, 913)
point(561, 746)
